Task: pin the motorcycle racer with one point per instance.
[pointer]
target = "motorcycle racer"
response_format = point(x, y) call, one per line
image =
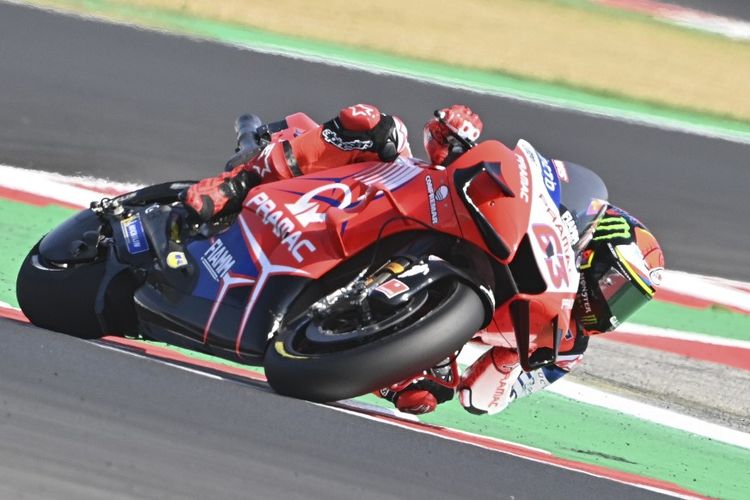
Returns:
point(619, 267)
point(620, 270)
point(358, 133)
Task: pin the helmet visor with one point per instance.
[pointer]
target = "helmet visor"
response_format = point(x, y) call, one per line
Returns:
point(622, 296)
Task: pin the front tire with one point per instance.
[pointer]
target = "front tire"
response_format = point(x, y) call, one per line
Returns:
point(297, 364)
point(60, 298)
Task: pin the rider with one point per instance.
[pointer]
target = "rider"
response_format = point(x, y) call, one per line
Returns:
point(619, 267)
point(358, 133)
point(620, 270)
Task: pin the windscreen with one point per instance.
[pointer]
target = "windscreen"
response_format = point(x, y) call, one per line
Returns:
point(577, 194)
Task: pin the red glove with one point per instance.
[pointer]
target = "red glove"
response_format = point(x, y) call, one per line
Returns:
point(460, 120)
point(219, 195)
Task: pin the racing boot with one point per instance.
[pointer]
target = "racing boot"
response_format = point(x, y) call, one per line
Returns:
point(487, 385)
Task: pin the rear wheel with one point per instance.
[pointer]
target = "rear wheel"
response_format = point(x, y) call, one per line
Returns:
point(356, 349)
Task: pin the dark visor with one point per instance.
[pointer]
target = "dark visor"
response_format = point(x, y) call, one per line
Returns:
point(622, 296)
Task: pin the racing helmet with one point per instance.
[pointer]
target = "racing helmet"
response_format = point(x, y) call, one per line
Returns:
point(438, 132)
point(621, 267)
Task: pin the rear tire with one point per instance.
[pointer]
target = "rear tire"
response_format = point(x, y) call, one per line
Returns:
point(60, 298)
point(317, 371)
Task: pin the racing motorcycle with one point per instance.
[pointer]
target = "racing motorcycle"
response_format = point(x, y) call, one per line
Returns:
point(338, 283)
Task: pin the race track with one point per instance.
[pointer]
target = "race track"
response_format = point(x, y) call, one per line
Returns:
point(79, 421)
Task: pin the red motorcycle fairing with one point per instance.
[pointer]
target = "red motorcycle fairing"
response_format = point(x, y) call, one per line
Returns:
point(311, 223)
point(509, 197)
point(308, 225)
point(292, 232)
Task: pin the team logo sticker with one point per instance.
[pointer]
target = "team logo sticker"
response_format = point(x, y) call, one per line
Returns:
point(393, 288)
point(217, 260)
point(176, 260)
point(135, 239)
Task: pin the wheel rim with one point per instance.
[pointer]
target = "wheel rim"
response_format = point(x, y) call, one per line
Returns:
point(349, 326)
point(319, 336)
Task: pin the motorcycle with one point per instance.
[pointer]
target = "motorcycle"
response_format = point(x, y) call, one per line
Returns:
point(341, 282)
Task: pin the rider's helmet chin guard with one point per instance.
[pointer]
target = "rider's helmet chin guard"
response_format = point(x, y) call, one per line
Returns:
point(621, 268)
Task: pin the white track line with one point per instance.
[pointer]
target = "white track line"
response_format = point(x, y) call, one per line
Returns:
point(59, 187)
point(723, 291)
point(654, 331)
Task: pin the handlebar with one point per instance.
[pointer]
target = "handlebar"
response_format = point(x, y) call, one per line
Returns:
point(246, 127)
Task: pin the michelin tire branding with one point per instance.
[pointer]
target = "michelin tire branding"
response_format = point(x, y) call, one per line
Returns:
point(135, 238)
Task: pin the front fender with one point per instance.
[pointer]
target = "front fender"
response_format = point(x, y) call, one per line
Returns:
point(74, 241)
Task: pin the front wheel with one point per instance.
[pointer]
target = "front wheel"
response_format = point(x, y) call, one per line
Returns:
point(341, 355)
point(60, 297)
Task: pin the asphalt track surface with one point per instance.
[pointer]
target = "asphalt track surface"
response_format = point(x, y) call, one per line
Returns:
point(79, 421)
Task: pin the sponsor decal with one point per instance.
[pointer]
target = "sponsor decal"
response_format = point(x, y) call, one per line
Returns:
point(549, 174)
point(583, 295)
point(561, 229)
point(431, 200)
point(363, 110)
point(283, 226)
point(562, 171)
point(333, 138)
point(176, 260)
point(550, 180)
point(217, 260)
point(610, 228)
point(570, 224)
point(498, 395)
point(589, 319)
point(135, 239)
point(392, 288)
point(554, 256)
point(306, 211)
point(523, 173)
point(442, 192)
point(264, 156)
